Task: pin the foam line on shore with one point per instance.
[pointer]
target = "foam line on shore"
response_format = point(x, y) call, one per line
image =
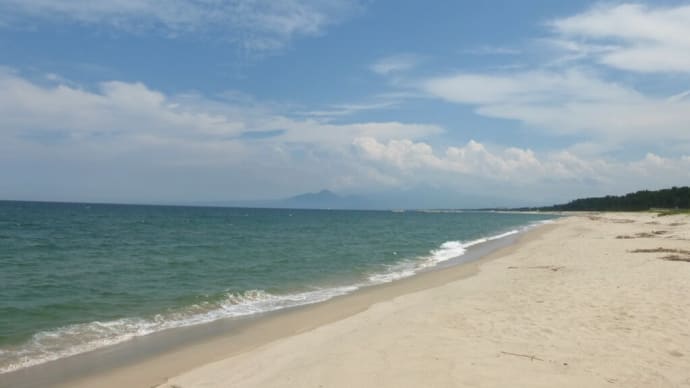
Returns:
point(80, 338)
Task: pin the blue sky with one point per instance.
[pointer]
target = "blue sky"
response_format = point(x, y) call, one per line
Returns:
point(450, 104)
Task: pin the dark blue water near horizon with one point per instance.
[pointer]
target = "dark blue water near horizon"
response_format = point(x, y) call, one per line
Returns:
point(75, 277)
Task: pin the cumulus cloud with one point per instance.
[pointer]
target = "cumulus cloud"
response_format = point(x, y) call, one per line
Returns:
point(634, 37)
point(127, 137)
point(255, 25)
point(575, 95)
point(560, 170)
point(471, 159)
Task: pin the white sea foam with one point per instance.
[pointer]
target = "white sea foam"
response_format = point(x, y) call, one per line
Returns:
point(79, 338)
point(407, 268)
point(447, 251)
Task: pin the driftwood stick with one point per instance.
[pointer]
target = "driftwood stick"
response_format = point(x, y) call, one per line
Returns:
point(531, 357)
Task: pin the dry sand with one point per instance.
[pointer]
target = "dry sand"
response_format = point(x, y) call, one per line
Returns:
point(573, 306)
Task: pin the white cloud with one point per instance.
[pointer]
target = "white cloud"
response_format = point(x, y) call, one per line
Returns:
point(116, 108)
point(403, 154)
point(633, 37)
point(123, 109)
point(561, 171)
point(233, 148)
point(470, 159)
point(571, 101)
point(349, 109)
point(378, 102)
point(258, 25)
point(570, 96)
point(395, 64)
point(564, 98)
point(126, 139)
point(528, 87)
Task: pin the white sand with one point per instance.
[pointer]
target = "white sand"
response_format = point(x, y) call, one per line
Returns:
point(570, 307)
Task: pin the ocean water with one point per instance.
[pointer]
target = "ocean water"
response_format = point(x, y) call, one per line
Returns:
point(76, 277)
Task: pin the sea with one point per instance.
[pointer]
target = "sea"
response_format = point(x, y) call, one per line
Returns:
point(76, 277)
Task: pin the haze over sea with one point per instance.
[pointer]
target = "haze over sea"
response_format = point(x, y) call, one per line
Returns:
point(76, 277)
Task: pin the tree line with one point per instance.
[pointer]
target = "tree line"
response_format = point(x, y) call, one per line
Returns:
point(673, 198)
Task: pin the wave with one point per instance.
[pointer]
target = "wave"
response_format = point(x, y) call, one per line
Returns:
point(447, 251)
point(80, 338)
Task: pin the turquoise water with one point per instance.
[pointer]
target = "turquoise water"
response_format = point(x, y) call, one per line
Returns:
point(75, 277)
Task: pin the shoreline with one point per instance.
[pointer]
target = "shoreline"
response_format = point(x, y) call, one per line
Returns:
point(596, 300)
point(155, 357)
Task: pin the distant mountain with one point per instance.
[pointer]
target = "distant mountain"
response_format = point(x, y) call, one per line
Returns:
point(324, 199)
point(411, 198)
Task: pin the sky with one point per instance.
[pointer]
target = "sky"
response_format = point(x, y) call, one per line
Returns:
point(443, 104)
